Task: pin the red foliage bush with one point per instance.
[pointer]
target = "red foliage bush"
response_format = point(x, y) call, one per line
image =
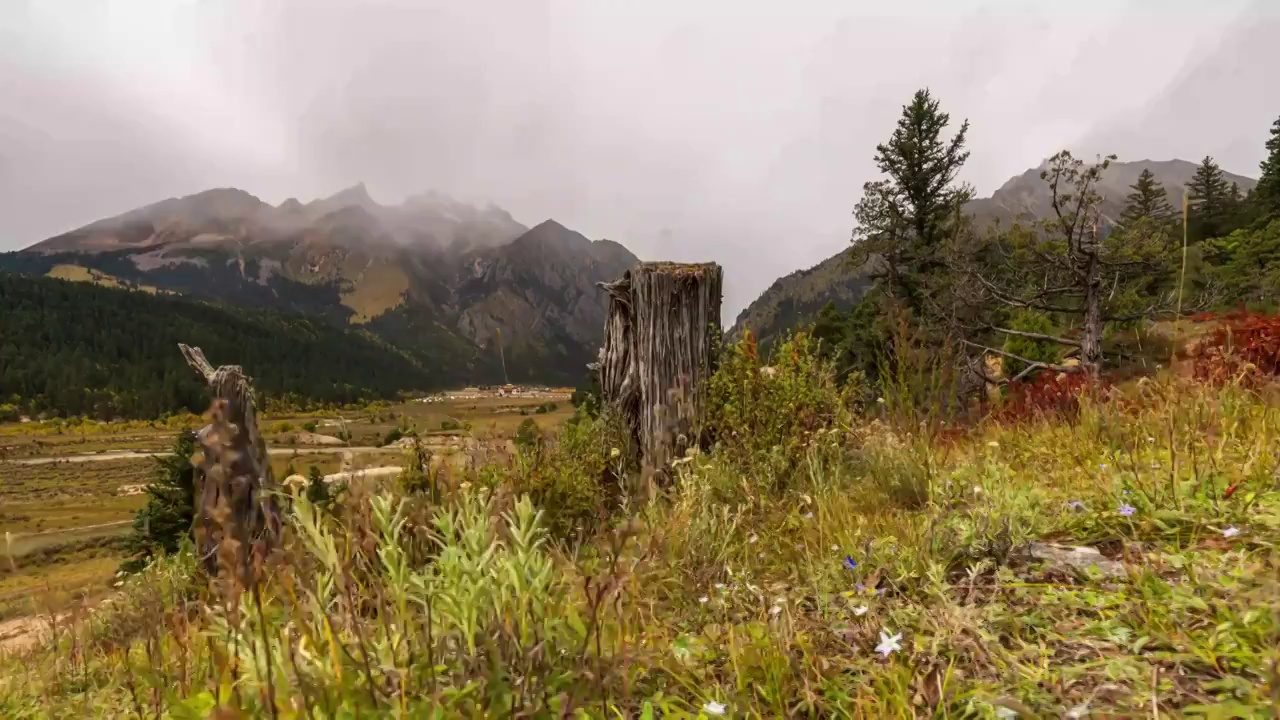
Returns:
point(1049, 394)
point(1244, 347)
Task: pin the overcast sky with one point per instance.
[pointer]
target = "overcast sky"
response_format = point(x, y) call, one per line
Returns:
point(733, 131)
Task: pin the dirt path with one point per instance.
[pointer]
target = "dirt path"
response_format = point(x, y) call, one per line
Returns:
point(372, 472)
point(71, 530)
point(133, 454)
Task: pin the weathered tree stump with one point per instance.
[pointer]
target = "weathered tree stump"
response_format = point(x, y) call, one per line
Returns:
point(235, 511)
point(659, 350)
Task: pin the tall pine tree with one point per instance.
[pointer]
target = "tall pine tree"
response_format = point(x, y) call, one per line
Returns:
point(1211, 199)
point(1147, 201)
point(1266, 195)
point(904, 219)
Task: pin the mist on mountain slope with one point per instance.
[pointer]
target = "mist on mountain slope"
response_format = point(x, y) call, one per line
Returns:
point(740, 134)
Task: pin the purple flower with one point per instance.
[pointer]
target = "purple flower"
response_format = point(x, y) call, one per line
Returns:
point(1075, 505)
point(1126, 510)
point(850, 563)
point(860, 587)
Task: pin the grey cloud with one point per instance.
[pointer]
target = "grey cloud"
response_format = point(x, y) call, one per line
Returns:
point(735, 132)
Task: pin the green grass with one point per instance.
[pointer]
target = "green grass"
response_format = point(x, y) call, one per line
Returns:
point(760, 584)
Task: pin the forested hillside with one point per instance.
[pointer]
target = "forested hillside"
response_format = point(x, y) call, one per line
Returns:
point(78, 349)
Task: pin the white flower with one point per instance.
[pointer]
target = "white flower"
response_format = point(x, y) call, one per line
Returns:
point(1102, 466)
point(1006, 713)
point(713, 708)
point(751, 539)
point(808, 516)
point(860, 610)
point(993, 444)
point(719, 586)
point(703, 599)
point(1231, 532)
point(1078, 712)
point(880, 400)
point(1151, 439)
point(835, 548)
point(773, 611)
point(889, 643)
point(977, 490)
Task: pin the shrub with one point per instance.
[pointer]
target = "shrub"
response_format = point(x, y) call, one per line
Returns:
point(1049, 395)
point(450, 424)
point(416, 477)
point(566, 478)
point(1245, 348)
point(281, 427)
point(310, 426)
point(392, 436)
point(528, 436)
point(320, 493)
point(763, 418)
point(1030, 348)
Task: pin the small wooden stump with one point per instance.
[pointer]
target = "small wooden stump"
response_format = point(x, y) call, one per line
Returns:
point(234, 508)
point(661, 337)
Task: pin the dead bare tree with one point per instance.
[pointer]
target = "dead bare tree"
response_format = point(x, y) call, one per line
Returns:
point(235, 511)
point(1067, 267)
point(659, 350)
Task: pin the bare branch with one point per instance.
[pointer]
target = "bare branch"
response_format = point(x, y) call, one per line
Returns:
point(1019, 358)
point(1036, 336)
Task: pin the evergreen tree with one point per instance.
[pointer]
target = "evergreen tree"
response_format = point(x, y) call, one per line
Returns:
point(160, 526)
point(1266, 196)
point(905, 219)
point(1148, 200)
point(1211, 199)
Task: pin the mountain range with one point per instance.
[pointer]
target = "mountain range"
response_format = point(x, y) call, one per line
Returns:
point(446, 283)
point(796, 297)
point(439, 279)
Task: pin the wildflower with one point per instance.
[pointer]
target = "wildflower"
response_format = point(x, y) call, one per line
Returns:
point(751, 539)
point(977, 490)
point(850, 563)
point(1151, 439)
point(1231, 532)
point(1079, 712)
point(880, 400)
point(719, 586)
point(1230, 491)
point(615, 452)
point(703, 599)
point(860, 587)
point(835, 548)
point(773, 611)
point(808, 516)
point(1102, 466)
point(1075, 505)
point(889, 643)
point(1126, 510)
point(1005, 713)
point(993, 444)
point(860, 610)
point(713, 708)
